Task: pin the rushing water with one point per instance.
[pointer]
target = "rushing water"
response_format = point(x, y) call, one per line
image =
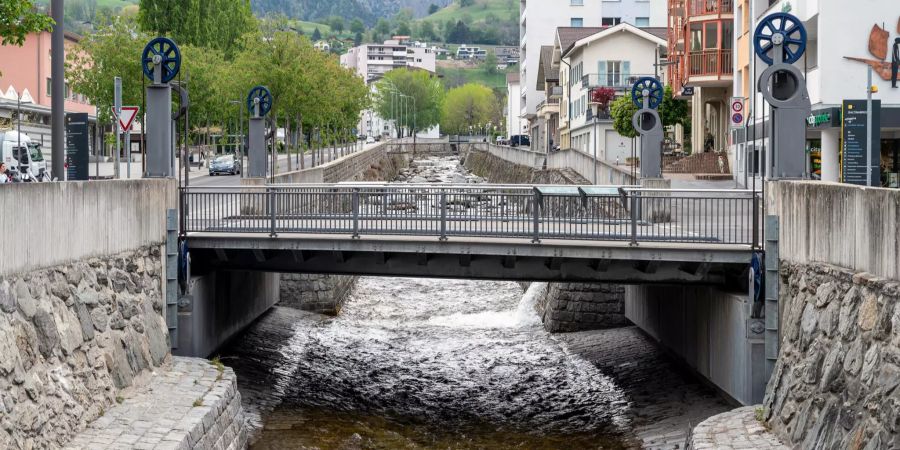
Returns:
point(423, 363)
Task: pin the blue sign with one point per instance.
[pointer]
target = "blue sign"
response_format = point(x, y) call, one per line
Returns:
point(687, 91)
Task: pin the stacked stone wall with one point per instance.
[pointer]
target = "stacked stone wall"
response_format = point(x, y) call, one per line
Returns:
point(71, 338)
point(323, 294)
point(568, 307)
point(835, 384)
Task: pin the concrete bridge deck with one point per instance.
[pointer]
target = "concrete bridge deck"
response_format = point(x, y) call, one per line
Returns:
point(553, 233)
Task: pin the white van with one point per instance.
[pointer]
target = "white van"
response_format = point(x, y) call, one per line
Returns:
point(22, 155)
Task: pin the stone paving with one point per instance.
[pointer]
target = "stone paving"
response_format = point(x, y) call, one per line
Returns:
point(738, 429)
point(191, 404)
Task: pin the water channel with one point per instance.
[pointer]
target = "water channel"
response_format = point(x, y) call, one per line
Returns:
point(424, 363)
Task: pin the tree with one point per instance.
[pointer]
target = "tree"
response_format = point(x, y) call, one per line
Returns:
point(622, 110)
point(317, 35)
point(490, 63)
point(459, 33)
point(426, 30)
point(672, 111)
point(465, 3)
point(383, 28)
point(336, 23)
point(403, 29)
point(203, 23)
point(433, 9)
point(357, 40)
point(357, 27)
point(470, 105)
point(18, 18)
point(421, 85)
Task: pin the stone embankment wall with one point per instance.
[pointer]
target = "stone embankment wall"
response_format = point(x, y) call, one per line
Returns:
point(323, 294)
point(374, 164)
point(565, 307)
point(568, 307)
point(835, 383)
point(71, 338)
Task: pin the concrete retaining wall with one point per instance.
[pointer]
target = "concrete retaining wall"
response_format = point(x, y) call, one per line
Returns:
point(46, 224)
point(323, 294)
point(583, 164)
point(366, 165)
point(221, 305)
point(839, 224)
point(709, 330)
point(567, 307)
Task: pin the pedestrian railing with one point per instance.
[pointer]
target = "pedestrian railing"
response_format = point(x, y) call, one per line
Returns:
point(613, 213)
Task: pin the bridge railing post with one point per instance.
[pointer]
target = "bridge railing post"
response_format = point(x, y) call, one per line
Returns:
point(757, 204)
point(355, 202)
point(635, 213)
point(536, 215)
point(271, 200)
point(443, 215)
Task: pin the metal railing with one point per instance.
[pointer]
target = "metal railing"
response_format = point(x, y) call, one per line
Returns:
point(710, 62)
point(612, 80)
point(707, 7)
point(611, 213)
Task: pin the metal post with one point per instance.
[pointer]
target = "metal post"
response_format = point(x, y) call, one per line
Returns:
point(58, 88)
point(272, 211)
point(355, 202)
point(536, 216)
point(128, 152)
point(869, 180)
point(596, 138)
point(117, 104)
point(634, 217)
point(443, 216)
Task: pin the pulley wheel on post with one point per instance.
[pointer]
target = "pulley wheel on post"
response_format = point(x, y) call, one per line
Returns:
point(259, 95)
point(650, 88)
point(162, 52)
point(780, 29)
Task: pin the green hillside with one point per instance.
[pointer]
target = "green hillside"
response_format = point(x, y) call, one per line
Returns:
point(481, 22)
point(479, 11)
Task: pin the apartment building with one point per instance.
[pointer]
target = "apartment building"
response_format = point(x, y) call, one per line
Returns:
point(372, 61)
point(837, 30)
point(25, 74)
point(539, 20)
point(470, 52)
point(513, 91)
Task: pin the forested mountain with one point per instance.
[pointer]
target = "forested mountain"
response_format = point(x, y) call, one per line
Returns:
point(369, 11)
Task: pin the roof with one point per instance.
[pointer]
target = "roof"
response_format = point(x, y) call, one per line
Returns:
point(622, 27)
point(660, 32)
point(512, 77)
point(567, 36)
point(546, 71)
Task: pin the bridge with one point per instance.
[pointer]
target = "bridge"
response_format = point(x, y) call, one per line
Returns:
point(624, 234)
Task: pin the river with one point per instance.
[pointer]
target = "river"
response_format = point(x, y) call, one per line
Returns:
point(425, 363)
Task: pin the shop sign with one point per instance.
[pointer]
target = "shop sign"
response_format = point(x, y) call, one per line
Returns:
point(815, 120)
point(855, 146)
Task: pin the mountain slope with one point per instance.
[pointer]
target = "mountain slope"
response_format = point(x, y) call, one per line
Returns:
point(368, 11)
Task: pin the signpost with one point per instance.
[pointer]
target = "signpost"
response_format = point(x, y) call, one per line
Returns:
point(77, 151)
point(117, 107)
point(125, 118)
point(737, 112)
point(856, 149)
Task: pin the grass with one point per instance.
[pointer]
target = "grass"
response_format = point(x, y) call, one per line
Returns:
point(460, 76)
point(198, 402)
point(120, 399)
point(217, 363)
point(478, 12)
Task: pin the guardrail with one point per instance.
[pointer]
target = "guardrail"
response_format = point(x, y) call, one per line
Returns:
point(614, 213)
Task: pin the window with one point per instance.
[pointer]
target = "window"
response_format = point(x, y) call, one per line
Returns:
point(577, 2)
point(696, 37)
point(727, 35)
point(611, 21)
point(614, 73)
point(49, 86)
point(577, 22)
point(642, 21)
point(711, 35)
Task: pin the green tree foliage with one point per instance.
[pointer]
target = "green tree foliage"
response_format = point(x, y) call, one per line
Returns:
point(204, 23)
point(622, 110)
point(317, 35)
point(672, 111)
point(470, 105)
point(382, 29)
point(419, 84)
point(18, 18)
point(357, 40)
point(426, 30)
point(336, 23)
point(459, 33)
point(465, 3)
point(433, 9)
point(490, 63)
point(357, 26)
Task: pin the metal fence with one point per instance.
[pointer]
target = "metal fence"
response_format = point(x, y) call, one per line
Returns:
point(614, 213)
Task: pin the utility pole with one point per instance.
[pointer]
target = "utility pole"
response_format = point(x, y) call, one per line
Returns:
point(58, 91)
point(869, 181)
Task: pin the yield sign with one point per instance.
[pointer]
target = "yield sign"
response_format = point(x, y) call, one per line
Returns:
point(126, 117)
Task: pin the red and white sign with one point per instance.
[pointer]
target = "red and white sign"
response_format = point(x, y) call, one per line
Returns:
point(126, 118)
point(737, 112)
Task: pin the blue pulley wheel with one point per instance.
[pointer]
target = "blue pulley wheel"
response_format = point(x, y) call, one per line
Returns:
point(168, 56)
point(780, 28)
point(654, 89)
point(265, 100)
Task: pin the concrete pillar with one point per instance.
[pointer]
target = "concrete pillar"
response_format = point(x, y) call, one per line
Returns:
point(698, 119)
point(831, 168)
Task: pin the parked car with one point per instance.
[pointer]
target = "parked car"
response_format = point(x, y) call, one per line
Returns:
point(370, 140)
point(501, 140)
point(520, 140)
point(225, 164)
point(361, 137)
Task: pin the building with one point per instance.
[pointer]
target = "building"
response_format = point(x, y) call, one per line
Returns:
point(611, 58)
point(640, 13)
point(371, 61)
point(25, 73)
point(468, 52)
point(701, 41)
point(831, 80)
point(539, 20)
point(323, 46)
point(513, 92)
point(507, 55)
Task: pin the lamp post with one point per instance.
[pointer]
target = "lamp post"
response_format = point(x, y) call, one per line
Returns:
point(239, 148)
point(595, 106)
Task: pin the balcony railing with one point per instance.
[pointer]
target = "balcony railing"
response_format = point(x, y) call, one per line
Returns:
point(710, 62)
point(612, 80)
point(707, 7)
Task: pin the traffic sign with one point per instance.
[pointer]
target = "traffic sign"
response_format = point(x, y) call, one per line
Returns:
point(126, 117)
point(737, 112)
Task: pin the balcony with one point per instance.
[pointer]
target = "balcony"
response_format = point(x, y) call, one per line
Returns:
point(718, 64)
point(548, 107)
point(612, 80)
point(710, 7)
point(556, 92)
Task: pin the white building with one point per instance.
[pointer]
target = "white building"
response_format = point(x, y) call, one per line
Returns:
point(539, 19)
point(640, 13)
point(513, 92)
point(613, 58)
point(469, 52)
point(836, 30)
point(371, 61)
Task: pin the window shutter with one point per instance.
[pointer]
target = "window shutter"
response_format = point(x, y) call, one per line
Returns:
point(626, 72)
point(601, 73)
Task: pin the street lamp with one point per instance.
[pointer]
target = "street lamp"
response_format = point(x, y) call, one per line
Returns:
point(240, 153)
